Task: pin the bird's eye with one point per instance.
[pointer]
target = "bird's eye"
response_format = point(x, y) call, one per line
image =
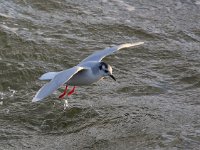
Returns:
point(106, 71)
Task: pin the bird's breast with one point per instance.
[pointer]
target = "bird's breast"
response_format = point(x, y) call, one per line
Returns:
point(84, 77)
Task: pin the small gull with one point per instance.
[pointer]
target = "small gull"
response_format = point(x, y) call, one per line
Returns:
point(88, 71)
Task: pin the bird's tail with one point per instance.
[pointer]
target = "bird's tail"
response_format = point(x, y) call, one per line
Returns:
point(48, 76)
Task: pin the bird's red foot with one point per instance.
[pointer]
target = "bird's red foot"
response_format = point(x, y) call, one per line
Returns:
point(72, 91)
point(64, 93)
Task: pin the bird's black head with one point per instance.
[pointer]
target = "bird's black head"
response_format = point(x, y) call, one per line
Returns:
point(106, 70)
point(103, 66)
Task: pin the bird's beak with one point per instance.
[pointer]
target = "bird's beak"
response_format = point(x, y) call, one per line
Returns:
point(112, 77)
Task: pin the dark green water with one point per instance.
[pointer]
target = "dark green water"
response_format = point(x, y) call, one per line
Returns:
point(153, 105)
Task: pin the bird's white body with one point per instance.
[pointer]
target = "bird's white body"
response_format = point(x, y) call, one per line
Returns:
point(84, 77)
point(81, 78)
point(88, 71)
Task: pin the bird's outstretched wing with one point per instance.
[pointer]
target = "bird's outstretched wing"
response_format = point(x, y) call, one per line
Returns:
point(99, 55)
point(56, 82)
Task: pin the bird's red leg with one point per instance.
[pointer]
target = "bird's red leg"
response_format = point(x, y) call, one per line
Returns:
point(64, 93)
point(72, 91)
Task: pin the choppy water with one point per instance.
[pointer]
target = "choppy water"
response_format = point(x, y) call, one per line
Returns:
point(153, 105)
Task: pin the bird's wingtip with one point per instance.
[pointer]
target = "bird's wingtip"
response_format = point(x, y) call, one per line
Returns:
point(137, 43)
point(131, 44)
point(35, 99)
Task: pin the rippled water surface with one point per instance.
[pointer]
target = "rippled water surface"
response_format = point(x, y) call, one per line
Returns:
point(153, 105)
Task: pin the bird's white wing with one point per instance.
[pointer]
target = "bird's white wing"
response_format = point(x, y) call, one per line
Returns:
point(56, 82)
point(99, 55)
